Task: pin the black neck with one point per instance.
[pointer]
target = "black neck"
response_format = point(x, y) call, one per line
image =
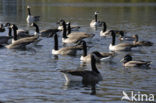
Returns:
point(104, 27)
point(93, 64)
point(29, 13)
point(69, 29)
point(113, 38)
point(55, 42)
point(84, 49)
point(136, 38)
point(37, 28)
point(15, 34)
point(95, 17)
point(10, 32)
point(64, 30)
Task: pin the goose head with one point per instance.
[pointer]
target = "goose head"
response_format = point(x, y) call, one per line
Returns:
point(14, 27)
point(126, 58)
point(7, 24)
point(28, 7)
point(96, 13)
point(63, 23)
point(97, 54)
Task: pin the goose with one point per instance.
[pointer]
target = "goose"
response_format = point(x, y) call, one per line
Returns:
point(121, 46)
point(18, 35)
point(66, 50)
point(101, 56)
point(127, 62)
point(79, 34)
point(105, 32)
point(95, 22)
point(22, 42)
point(141, 43)
point(71, 39)
point(2, 29)
point(125, 38)
point(30, 19)
point(88, 76)
point(44, 33)
point(5, 39)
point(20, 32)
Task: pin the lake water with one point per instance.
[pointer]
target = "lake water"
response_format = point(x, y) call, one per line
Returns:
point(32, 76)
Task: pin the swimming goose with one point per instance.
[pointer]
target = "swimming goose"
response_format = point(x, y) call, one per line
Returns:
point(66, 50)
point(20, 32)
point(2, 29)
point(78, 34)
point(85, 76)
point(105, 32)
point(71, 39)
point(22, 42)
point(121, 46)
point(125, 38)
point(101, 56)
point(141, 43)
point(44, 33)
point(30, 19)
point(18, 35)
point(95, 22)
point(127, 62)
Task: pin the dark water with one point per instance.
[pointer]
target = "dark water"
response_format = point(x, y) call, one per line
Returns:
point(32, 76)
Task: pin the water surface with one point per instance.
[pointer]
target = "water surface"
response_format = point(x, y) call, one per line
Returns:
point(32, 76)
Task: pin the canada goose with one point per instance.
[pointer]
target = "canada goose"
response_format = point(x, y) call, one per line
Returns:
point(5, 39)
point(101, 56)
point(105, 32)
point(66, 50)
point(20, 33)
point(121, 46)
point(70, 39)
point(126, 38)
point(92, 76)
point(2, 29)
point(127, 62)
point(79, 34)
point(30, 19)
point(95, 22)
point(22, 42)
point(141, 43)
point(44, 33)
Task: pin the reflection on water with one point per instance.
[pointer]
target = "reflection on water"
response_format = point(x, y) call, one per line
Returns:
point(32, 75)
